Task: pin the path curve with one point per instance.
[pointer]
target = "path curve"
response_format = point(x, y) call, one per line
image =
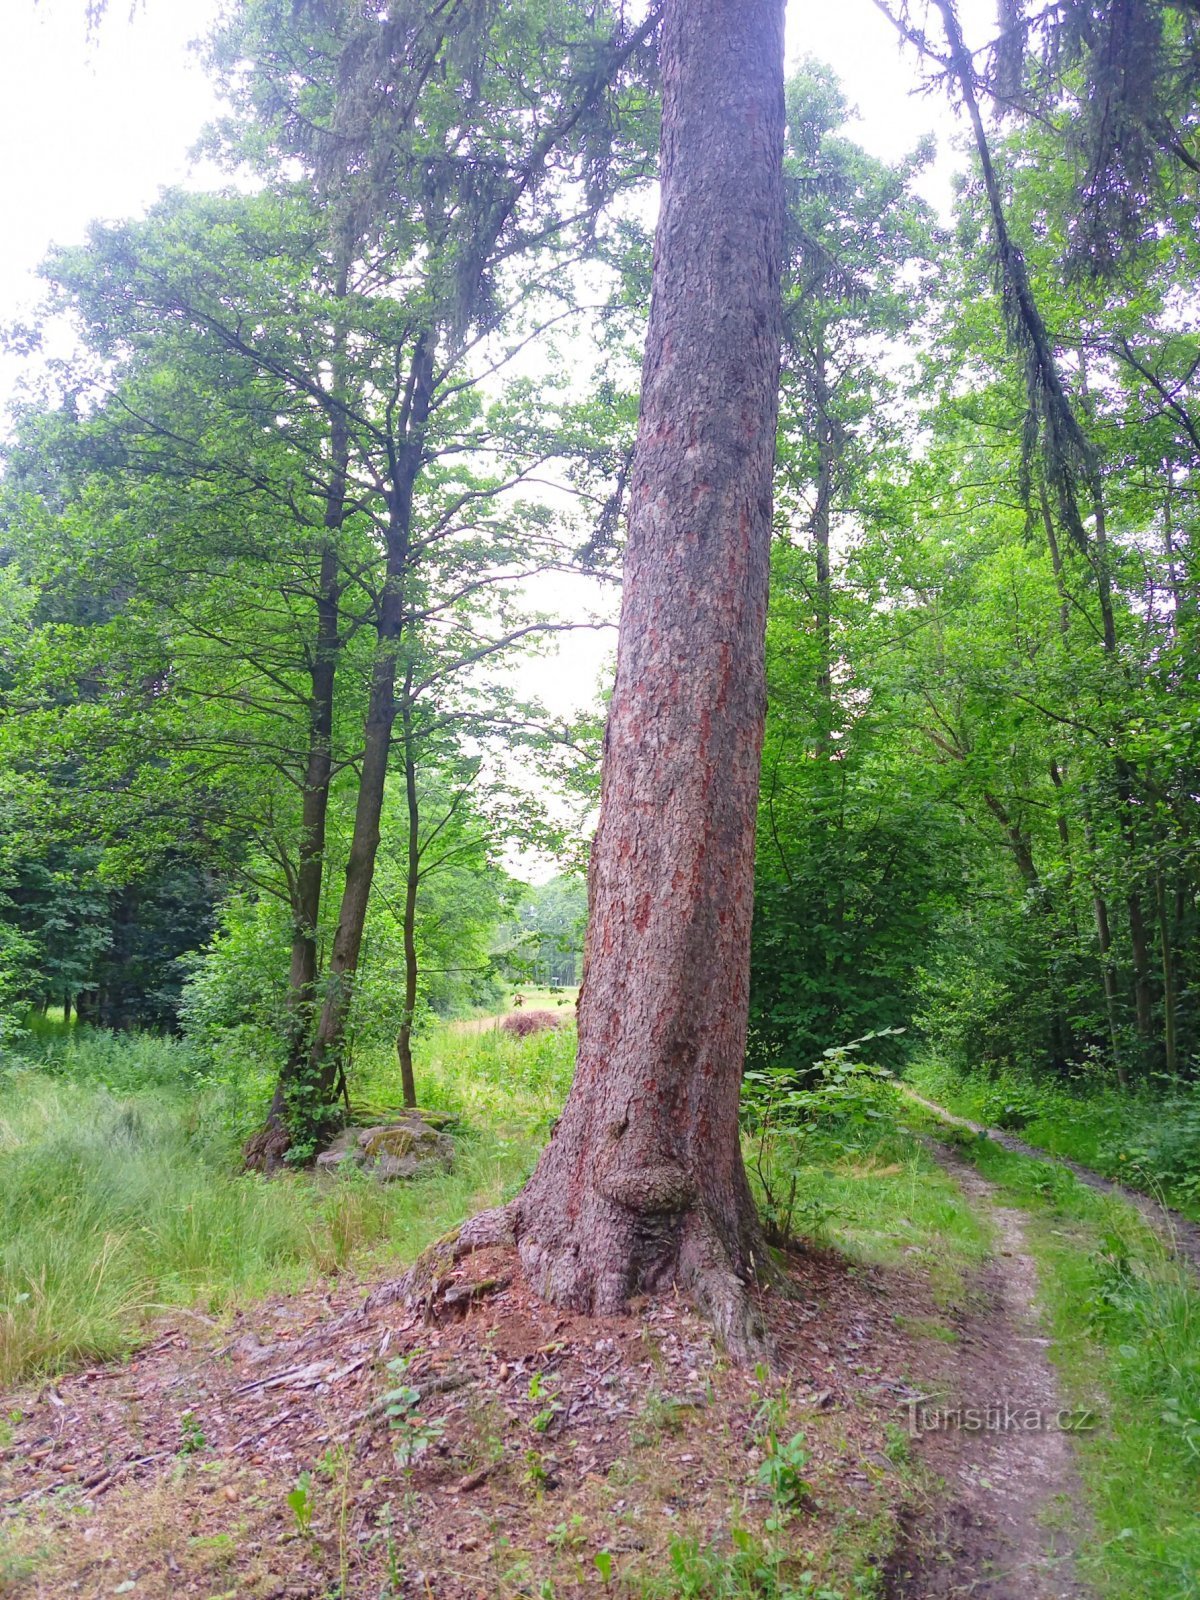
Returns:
point(1179, 1233)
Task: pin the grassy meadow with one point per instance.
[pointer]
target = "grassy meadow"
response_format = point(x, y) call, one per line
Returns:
point(121, 1193)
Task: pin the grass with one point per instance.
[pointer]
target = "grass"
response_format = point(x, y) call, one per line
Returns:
point(1147, 1139)
point(1124, 1316)
point(120, 1194)
point(876, 1196)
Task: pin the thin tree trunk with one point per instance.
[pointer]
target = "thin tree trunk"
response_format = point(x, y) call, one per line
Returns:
point(1056, 560)
point(1140, 946)
point(1101, 565)
point(325, 1057)
point(1108, 969)
point(267, 1148)
point(1170, 1047)
point(642, 1185)
point(411, 884)
point(1022, 850)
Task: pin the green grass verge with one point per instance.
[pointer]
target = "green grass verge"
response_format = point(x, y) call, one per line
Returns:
point(1148, 1140)
point(1124, 1316)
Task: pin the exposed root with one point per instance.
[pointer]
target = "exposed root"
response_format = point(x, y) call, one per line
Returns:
point(722, 1297)
point(702, 1268)
point(428, 1279)
point(266, 1150)
point(650, 1249)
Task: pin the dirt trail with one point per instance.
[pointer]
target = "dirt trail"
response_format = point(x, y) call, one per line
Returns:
point(1007, 1522)
point(1179, 1233)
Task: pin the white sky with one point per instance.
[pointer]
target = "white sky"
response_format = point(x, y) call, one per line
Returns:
point(95, 128)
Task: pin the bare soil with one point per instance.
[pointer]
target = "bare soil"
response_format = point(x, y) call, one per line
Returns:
point(995, 1432)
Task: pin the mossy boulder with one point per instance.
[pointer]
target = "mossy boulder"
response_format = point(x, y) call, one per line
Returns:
point(408, 1147)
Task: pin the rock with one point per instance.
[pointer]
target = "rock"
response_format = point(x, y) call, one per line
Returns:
point(330, 1160)
point(404, 1148)
point(344, 1148)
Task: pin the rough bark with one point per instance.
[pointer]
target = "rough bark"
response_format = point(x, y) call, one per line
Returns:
point(642, 1185)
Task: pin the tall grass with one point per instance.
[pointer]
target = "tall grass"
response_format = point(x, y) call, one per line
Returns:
point(121, 1194)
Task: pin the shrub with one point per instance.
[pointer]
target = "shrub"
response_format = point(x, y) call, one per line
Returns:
point(524, 1023)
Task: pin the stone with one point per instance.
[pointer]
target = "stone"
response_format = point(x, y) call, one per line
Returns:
point(404, 1148)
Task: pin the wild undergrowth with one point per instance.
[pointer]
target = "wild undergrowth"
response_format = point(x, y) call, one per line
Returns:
point(829, 1165)
point(121, 1193)
point(1148, 1138)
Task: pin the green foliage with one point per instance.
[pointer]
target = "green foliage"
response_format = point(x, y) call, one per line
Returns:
point(748, 1568)
point(191, 1435)
point(845, 1105)
point(1149, 1140)
point(412, 1435)
point(784, 1458)
point(300, 1504)
point(1157, 1148)
point(544, 944)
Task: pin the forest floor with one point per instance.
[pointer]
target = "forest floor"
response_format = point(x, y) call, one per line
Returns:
point(565, 1455)
point(556, 1442)
point(989, 1386)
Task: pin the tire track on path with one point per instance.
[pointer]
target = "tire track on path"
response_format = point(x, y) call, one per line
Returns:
point(1180, 1234)
point(1007, 1522)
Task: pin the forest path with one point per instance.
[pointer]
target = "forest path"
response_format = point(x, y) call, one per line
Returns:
point(1179, 1233)
point(1006, 1523)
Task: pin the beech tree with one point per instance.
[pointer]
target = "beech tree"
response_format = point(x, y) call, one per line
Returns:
point(642, 1184)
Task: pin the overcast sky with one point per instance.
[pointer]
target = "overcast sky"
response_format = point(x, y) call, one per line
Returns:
point(95, 128)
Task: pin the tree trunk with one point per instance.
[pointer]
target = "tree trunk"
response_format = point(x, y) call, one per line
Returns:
point(1170, 1045)
point(1140, 946)
point(642, 1184)
point(325, 1057)
point(1107, 966)
point(1056, 561)
point(411, 882)
point(268, 1147)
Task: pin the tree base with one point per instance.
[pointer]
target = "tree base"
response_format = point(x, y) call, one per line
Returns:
point(266, 1151)
point(698, 1264)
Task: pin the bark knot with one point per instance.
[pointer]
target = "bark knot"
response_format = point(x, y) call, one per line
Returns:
point(656, 1190)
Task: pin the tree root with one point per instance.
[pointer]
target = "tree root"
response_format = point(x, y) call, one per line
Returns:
point(722, 1297)
point(704, 1272)
point(265, 1151)
point(427, 1281)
